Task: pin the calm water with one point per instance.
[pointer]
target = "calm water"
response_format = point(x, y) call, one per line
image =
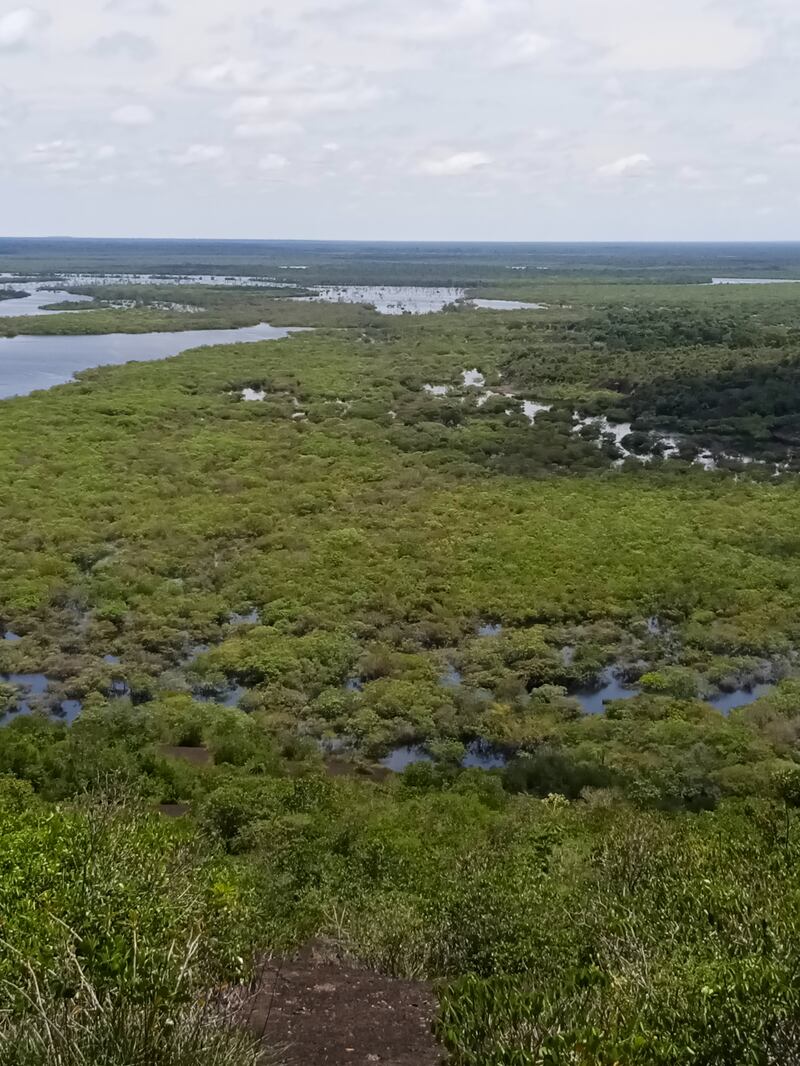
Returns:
point(390, 299)
point(30, 363)
point(478, 757)
point(228, 698)
point(400, 758)
point(754, 281)
point(73, 280)
point(610, 687)
point(35, 302)
point(531, 409)
point(33, 689)
point(507, 305)
point(726, 702)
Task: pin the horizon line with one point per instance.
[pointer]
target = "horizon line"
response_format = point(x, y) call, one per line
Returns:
point(409, 241)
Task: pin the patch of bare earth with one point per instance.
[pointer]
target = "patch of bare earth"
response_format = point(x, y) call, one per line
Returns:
point(196, 756)
point(328, 1013)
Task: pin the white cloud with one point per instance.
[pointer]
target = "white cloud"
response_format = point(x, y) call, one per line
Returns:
point(659, 36)
point(124, 45)
point(438, 22)
point(454, 91)
point(757, 179)
point(230, 74)
point(690, 174)
point(19, 27)
point(258, 131)
point(137, 7)
point(105, 152)
point(133, 115)
point(57, 156)
point(273, 161)
point(199, 154)
point(454, 165)
point(523, 48)
point(635, 164)
point(352, 98)
point(246, 106)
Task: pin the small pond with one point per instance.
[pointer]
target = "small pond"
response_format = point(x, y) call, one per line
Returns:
point(33, 694)
point(227, 698)
point(531, 409)
point(726, 702)
point(611, 687)
point(479, 756)
point(473, 379)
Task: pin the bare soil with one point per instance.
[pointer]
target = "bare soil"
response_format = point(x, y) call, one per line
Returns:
point(330, 1013)
point(196, 756)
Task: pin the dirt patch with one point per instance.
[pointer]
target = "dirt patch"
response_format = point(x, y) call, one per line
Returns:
point(334, 1014)
point(336, 766)
point(196, 756)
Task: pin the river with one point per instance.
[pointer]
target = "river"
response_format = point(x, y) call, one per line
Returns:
point(28, 363)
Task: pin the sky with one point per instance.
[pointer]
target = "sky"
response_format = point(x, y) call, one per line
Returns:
point(401, 119)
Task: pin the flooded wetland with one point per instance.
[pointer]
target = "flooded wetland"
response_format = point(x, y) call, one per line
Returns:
point(480, 394)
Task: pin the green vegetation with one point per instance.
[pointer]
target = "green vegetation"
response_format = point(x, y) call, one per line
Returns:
point(160, 308)
point(358, 564)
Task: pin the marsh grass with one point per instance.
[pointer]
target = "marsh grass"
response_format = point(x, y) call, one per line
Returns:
point(86, 1027)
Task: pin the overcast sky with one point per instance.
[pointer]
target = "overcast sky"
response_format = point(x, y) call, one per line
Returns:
point(401, 119)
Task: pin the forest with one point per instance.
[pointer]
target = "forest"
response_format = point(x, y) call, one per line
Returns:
point(307, 642)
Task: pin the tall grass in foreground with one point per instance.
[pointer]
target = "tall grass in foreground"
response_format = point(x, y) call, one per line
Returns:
point(121, 941)
point(90, 1028)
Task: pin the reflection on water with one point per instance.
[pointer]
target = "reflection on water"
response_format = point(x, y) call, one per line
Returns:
point(473, 379)
point(400, 758)
point(507, 305)
point(35, 303)
point(17, 281)
point(726, 702)
point(531, 409)
point(226, 698)
point(609, 687)
point(32, 684)
point(29, 363)
point(754, 281)
point(452, 677)
point(389, 299)
point(70, 709)
point(479, 756)
point(483, 757)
